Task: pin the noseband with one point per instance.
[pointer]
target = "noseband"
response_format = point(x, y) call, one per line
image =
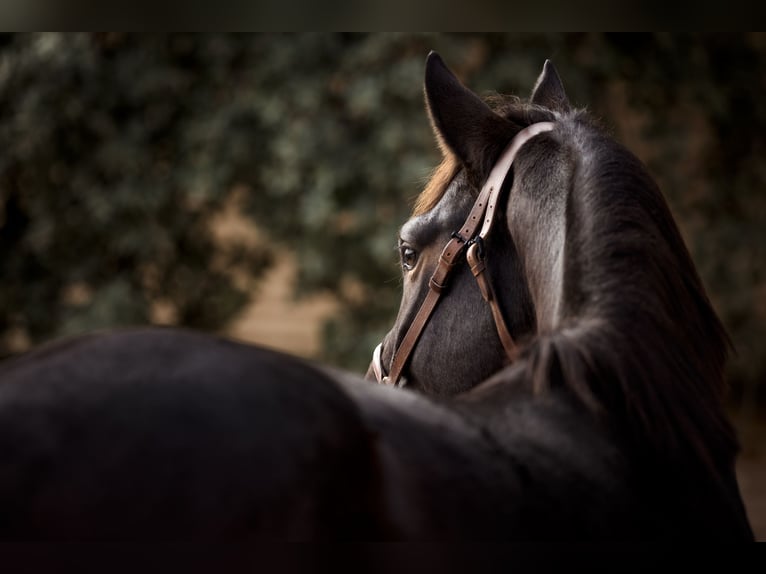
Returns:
point(468, 240)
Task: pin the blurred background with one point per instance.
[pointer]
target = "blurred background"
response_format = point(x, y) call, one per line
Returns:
point(253, 185)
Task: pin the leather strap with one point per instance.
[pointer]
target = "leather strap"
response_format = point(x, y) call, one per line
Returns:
point(478, 267)
point(482, 213)
point(503, 166)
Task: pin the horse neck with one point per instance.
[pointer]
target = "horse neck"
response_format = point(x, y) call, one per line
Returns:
point(623, 320)
point(537, 220)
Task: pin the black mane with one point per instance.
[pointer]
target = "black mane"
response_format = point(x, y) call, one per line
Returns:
point(638, 339)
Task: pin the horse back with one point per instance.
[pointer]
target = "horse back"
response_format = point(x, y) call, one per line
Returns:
point(171, 434)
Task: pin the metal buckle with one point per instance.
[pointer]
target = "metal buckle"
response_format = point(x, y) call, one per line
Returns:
point(478, 241)
point(456, 235)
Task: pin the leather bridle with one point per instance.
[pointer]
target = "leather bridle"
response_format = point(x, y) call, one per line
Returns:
point(472, 243)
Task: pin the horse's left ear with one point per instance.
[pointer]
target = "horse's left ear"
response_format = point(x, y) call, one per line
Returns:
point(462, 122)
point(549, 91)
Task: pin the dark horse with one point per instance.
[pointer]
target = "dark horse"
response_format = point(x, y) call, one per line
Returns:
point(606, 425)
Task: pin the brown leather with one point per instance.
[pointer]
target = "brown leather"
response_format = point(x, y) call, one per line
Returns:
point(478, 268)
point(482, 213)
point(412, 336)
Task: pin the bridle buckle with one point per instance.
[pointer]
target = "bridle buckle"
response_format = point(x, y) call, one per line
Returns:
point(478, 241)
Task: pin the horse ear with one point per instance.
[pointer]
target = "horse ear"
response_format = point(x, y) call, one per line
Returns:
point(462, 122)
point(549, 91)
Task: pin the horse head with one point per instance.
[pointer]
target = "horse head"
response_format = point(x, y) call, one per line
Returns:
point(461, 343)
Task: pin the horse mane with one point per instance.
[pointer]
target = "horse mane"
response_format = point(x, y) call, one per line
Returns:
point(638, 339)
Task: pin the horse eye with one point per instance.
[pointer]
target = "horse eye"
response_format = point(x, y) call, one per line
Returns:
point(409, 257)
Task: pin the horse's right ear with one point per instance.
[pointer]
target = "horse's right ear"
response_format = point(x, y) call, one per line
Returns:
point(549, 90)
point(462, 122)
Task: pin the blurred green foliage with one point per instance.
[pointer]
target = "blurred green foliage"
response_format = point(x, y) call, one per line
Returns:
point(118, 151)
